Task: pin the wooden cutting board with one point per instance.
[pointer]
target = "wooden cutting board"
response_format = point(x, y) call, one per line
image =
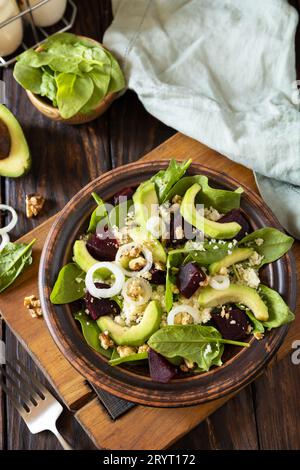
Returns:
point(142, 427)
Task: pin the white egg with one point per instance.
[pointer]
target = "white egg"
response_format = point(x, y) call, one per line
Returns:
point(47, 14)
point(11, 35)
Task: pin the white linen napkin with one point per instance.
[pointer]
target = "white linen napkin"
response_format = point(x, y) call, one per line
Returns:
point(222, 72)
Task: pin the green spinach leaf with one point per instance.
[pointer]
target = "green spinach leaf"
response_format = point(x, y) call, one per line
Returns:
point(279, 312)
point(220, 199)
point(14, 258)
point(69, 286)
point(117, 80)
point(73, 92)
point(28, 77)
point(275, 243)
point(165, 179)
point(174, 260)
point(91, 331)
point(202, 345)
point(98, 214)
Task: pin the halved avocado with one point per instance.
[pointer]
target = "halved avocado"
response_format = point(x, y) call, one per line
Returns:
point(145, 202)
point(85, 261)
point(210, 297)
point(15, 157)
point(210, 228)
point(135, 335)
point(239, 254)
point(140, 235)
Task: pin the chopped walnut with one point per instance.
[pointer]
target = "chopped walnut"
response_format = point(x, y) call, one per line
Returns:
point(33, 304)
point(189, 364)
point(137, 264)
point(159, 266)
point(143, 348)
point(34, 204)
point(135, 289)
point(205, 282)
point(124, 351)
point(223, 271)
point(177, 199)
point(105, 341)
point(183, 319)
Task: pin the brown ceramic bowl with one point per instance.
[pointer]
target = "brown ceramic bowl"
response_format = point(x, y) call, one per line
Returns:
point(134, 384)
point(52, 113)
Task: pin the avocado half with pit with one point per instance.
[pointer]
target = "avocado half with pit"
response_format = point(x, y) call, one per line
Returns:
point(15, 157)
point(247, 296)
point(135, 335)
point(211, 229)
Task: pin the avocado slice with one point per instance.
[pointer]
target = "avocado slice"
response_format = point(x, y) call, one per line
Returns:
point(145, 202)
point(210, 228)
point(135, 335)
point(85, 261)
point(140, 235)
point(210, 297)
point(237, 255)
point(15, 157)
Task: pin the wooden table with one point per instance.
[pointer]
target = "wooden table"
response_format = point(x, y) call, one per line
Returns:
point(266, 415)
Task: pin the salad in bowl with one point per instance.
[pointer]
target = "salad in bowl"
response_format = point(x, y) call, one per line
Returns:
point(168, 274)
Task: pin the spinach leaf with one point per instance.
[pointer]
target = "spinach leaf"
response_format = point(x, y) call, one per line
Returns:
point(34, 59)
point(131, 358)
point(101, 80)
point(257, 325)
point(91, 331)
point(275, 244)
point(118, 214)
point(98, 214)
point(73, 92)
point(202, 345)
point(14, 258)
point(69, 286)
point(165, 179)
point(221, 199)
point(117, 80)
point(28, 77)
point(211, 253)
point(48, 87)
point(279, 312)
point(174, 260)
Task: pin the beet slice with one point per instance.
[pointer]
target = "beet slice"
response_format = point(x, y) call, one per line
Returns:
point(126, 192)
point(100, 307)
point(102, 249)
point(233, 323)
point(161, 370)
point(235, 215)
point(158, 276)
point(188, 279)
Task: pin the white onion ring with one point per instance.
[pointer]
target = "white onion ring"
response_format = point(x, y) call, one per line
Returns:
point(4, 241)
point(184, 308)
point(219, 282)
point(155, 225)
point(111, 291)
point(146, 288)
point(148, 256)
point(14, 219)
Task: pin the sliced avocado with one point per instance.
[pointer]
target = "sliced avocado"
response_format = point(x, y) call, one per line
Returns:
point(140, 235)
point(210, 297)
point(85, 261)
point(135, 335)
point(239, 254)
point(210, 228)
point(145, 202)
point(15, 157)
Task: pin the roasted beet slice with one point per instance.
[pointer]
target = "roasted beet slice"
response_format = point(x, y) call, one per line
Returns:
point(160, 369)
point(102, 249)
point(232, 322)
point(100, 307)
point(158, 276)
point(119, 196)
point(235, 215)
point(188, 279)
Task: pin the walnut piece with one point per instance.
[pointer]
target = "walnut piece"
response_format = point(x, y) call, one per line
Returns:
point(34, 204)
point(33, 305)
point(137, 264)
point(105, 341)
point(124, 351)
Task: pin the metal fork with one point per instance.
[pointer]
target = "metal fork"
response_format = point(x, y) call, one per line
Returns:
point(38, 408)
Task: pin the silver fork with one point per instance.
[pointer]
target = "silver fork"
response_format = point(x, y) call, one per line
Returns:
point(38, 408)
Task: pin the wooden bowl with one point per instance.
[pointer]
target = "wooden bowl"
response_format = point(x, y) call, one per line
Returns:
point(134, 384)
point(51, 112)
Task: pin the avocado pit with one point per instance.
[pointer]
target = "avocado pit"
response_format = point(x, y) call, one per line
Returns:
point(5, 140)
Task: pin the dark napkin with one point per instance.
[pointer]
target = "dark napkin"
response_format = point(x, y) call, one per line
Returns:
point(115, 406)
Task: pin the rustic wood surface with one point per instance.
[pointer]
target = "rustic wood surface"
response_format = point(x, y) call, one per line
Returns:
point(65, 159)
